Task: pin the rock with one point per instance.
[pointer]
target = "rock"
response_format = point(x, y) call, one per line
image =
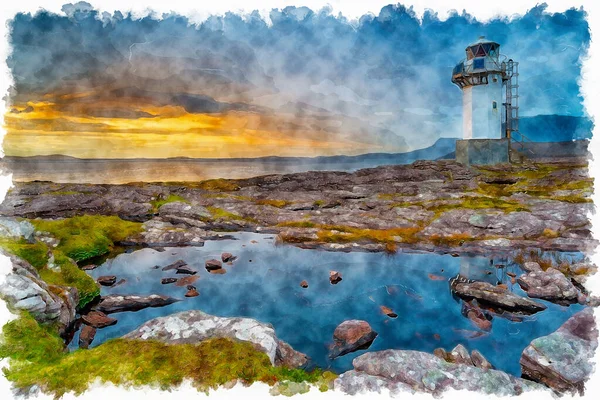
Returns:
point(86, 336)
point(434, 277)
point(186, 280)
point(494, 296)
point(117, 303)
point(350, 336)
point(459, 355)
point(12, 228)
point(184, 210)
point(304, 284)
point(166, 281)
point(213, 264)
point(107, 280)
point(120, 282)
point(410, 371)
point(549, 285)
point(220, 271)
point(89, 267)
point(480, 361)
point(192, 292)
point(388, 311)
point(23, 289)
point(531, 266)
point(334, 277)
point(184, 269)
point(476, 316)
point(175, 265)
point(196, 326)
point(228, 257)
point(441, 354)
point(97, 319)
point(562, 360)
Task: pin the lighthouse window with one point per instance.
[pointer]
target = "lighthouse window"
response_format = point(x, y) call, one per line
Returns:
point(494, 105)
point(479, 63)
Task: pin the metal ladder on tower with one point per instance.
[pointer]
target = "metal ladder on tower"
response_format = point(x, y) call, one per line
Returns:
point(518, 141)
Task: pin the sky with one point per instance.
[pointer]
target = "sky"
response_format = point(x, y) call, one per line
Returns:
point(296, 82)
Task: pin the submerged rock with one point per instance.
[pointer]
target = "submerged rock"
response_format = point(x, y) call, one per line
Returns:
point(388, 311)
point(562, 360)
point(494, 296)
point(175, 265)
point(184, 269)
point(197, 326)
point(228, 257)
point(415, 371)
point(350, 336)
point(304, 284)
point(166, 281)
point(476, 316)
point(192, 292)
point(107, 280)
point(549, 285)
point(117, 303)
point(97, 319)
point(186, 280)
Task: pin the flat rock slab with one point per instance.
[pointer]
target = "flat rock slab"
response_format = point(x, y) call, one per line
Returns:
point(107, 280)
point(415, 371)
point(97, 319)
point(117, 303)
point(212, 265)
point(197, 326)
point(175, 265)
point(562, 360)
point(549, 285)
point(495, 296)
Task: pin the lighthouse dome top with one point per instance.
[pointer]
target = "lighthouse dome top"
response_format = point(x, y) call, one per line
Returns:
point(483, 47)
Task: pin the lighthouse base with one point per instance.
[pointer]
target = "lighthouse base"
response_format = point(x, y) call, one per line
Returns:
point(482, 151)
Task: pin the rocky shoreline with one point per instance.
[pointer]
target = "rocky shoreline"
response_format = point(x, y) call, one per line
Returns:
point(427, 206)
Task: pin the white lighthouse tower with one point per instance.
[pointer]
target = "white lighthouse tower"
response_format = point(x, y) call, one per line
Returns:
point(490, 102)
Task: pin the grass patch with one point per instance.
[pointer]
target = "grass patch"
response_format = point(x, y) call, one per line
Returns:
point(35, 254)
point(158, 203)
point(87, 236)
point(37, 358)
point(454, 240)
point(478, 203)
point(218, 185)
point(61, 193)
point(219, 213)
point(273, 203)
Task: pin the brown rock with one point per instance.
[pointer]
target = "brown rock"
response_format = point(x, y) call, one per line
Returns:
point(436, 277)
point(86, 336)
point(213, 264)
point(227, 257)
point(388, 311)
point(459, 355)
point(166, 281)
point(441, 353)
point(220, 271)
point(480, 361)
point(192, 292)
point(97, 319)
point(350, 336)
point(107, 280)
point(511, 274)
point(89, 267)
point(334, 277)
point(304, 284)
point(118, 303)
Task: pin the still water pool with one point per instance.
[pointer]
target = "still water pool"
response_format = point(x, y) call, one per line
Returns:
point(264, 283)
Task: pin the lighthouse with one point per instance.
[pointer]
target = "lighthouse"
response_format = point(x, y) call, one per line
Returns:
point(489, 103)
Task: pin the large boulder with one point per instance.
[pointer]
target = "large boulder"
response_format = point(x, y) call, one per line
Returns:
point(415, 371)
point(196, 326)
point(23, 289)
point(350, 336)
point(494, 296)
point(117, 303)
point(562, 359)
point(549, 285)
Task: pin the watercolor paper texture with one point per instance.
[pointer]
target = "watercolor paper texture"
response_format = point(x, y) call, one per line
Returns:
point(393, 203)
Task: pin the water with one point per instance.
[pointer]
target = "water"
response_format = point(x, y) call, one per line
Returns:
point(267, 288)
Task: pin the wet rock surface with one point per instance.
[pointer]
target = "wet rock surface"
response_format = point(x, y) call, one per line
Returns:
point(414, 371)
point(350, 336)
point(116, 303)
point(563, 359)
point(97, 319)
point(107, 280)
point(551, 285)
point(86, 336)
point(495, 296)
point(196, 326)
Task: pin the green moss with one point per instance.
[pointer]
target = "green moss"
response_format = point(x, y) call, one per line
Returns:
point(35, 254)
point(60, 193)
point(87, 236)
point(478, 203)
point(218, 185)
point(273, 203)
point(219, 213)
point(298, 224)
point(37, 358)
point(158, 203)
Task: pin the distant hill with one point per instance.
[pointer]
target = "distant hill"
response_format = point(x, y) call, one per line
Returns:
point(556, 128)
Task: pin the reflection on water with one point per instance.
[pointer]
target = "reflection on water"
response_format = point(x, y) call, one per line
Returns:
point(264, 283)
